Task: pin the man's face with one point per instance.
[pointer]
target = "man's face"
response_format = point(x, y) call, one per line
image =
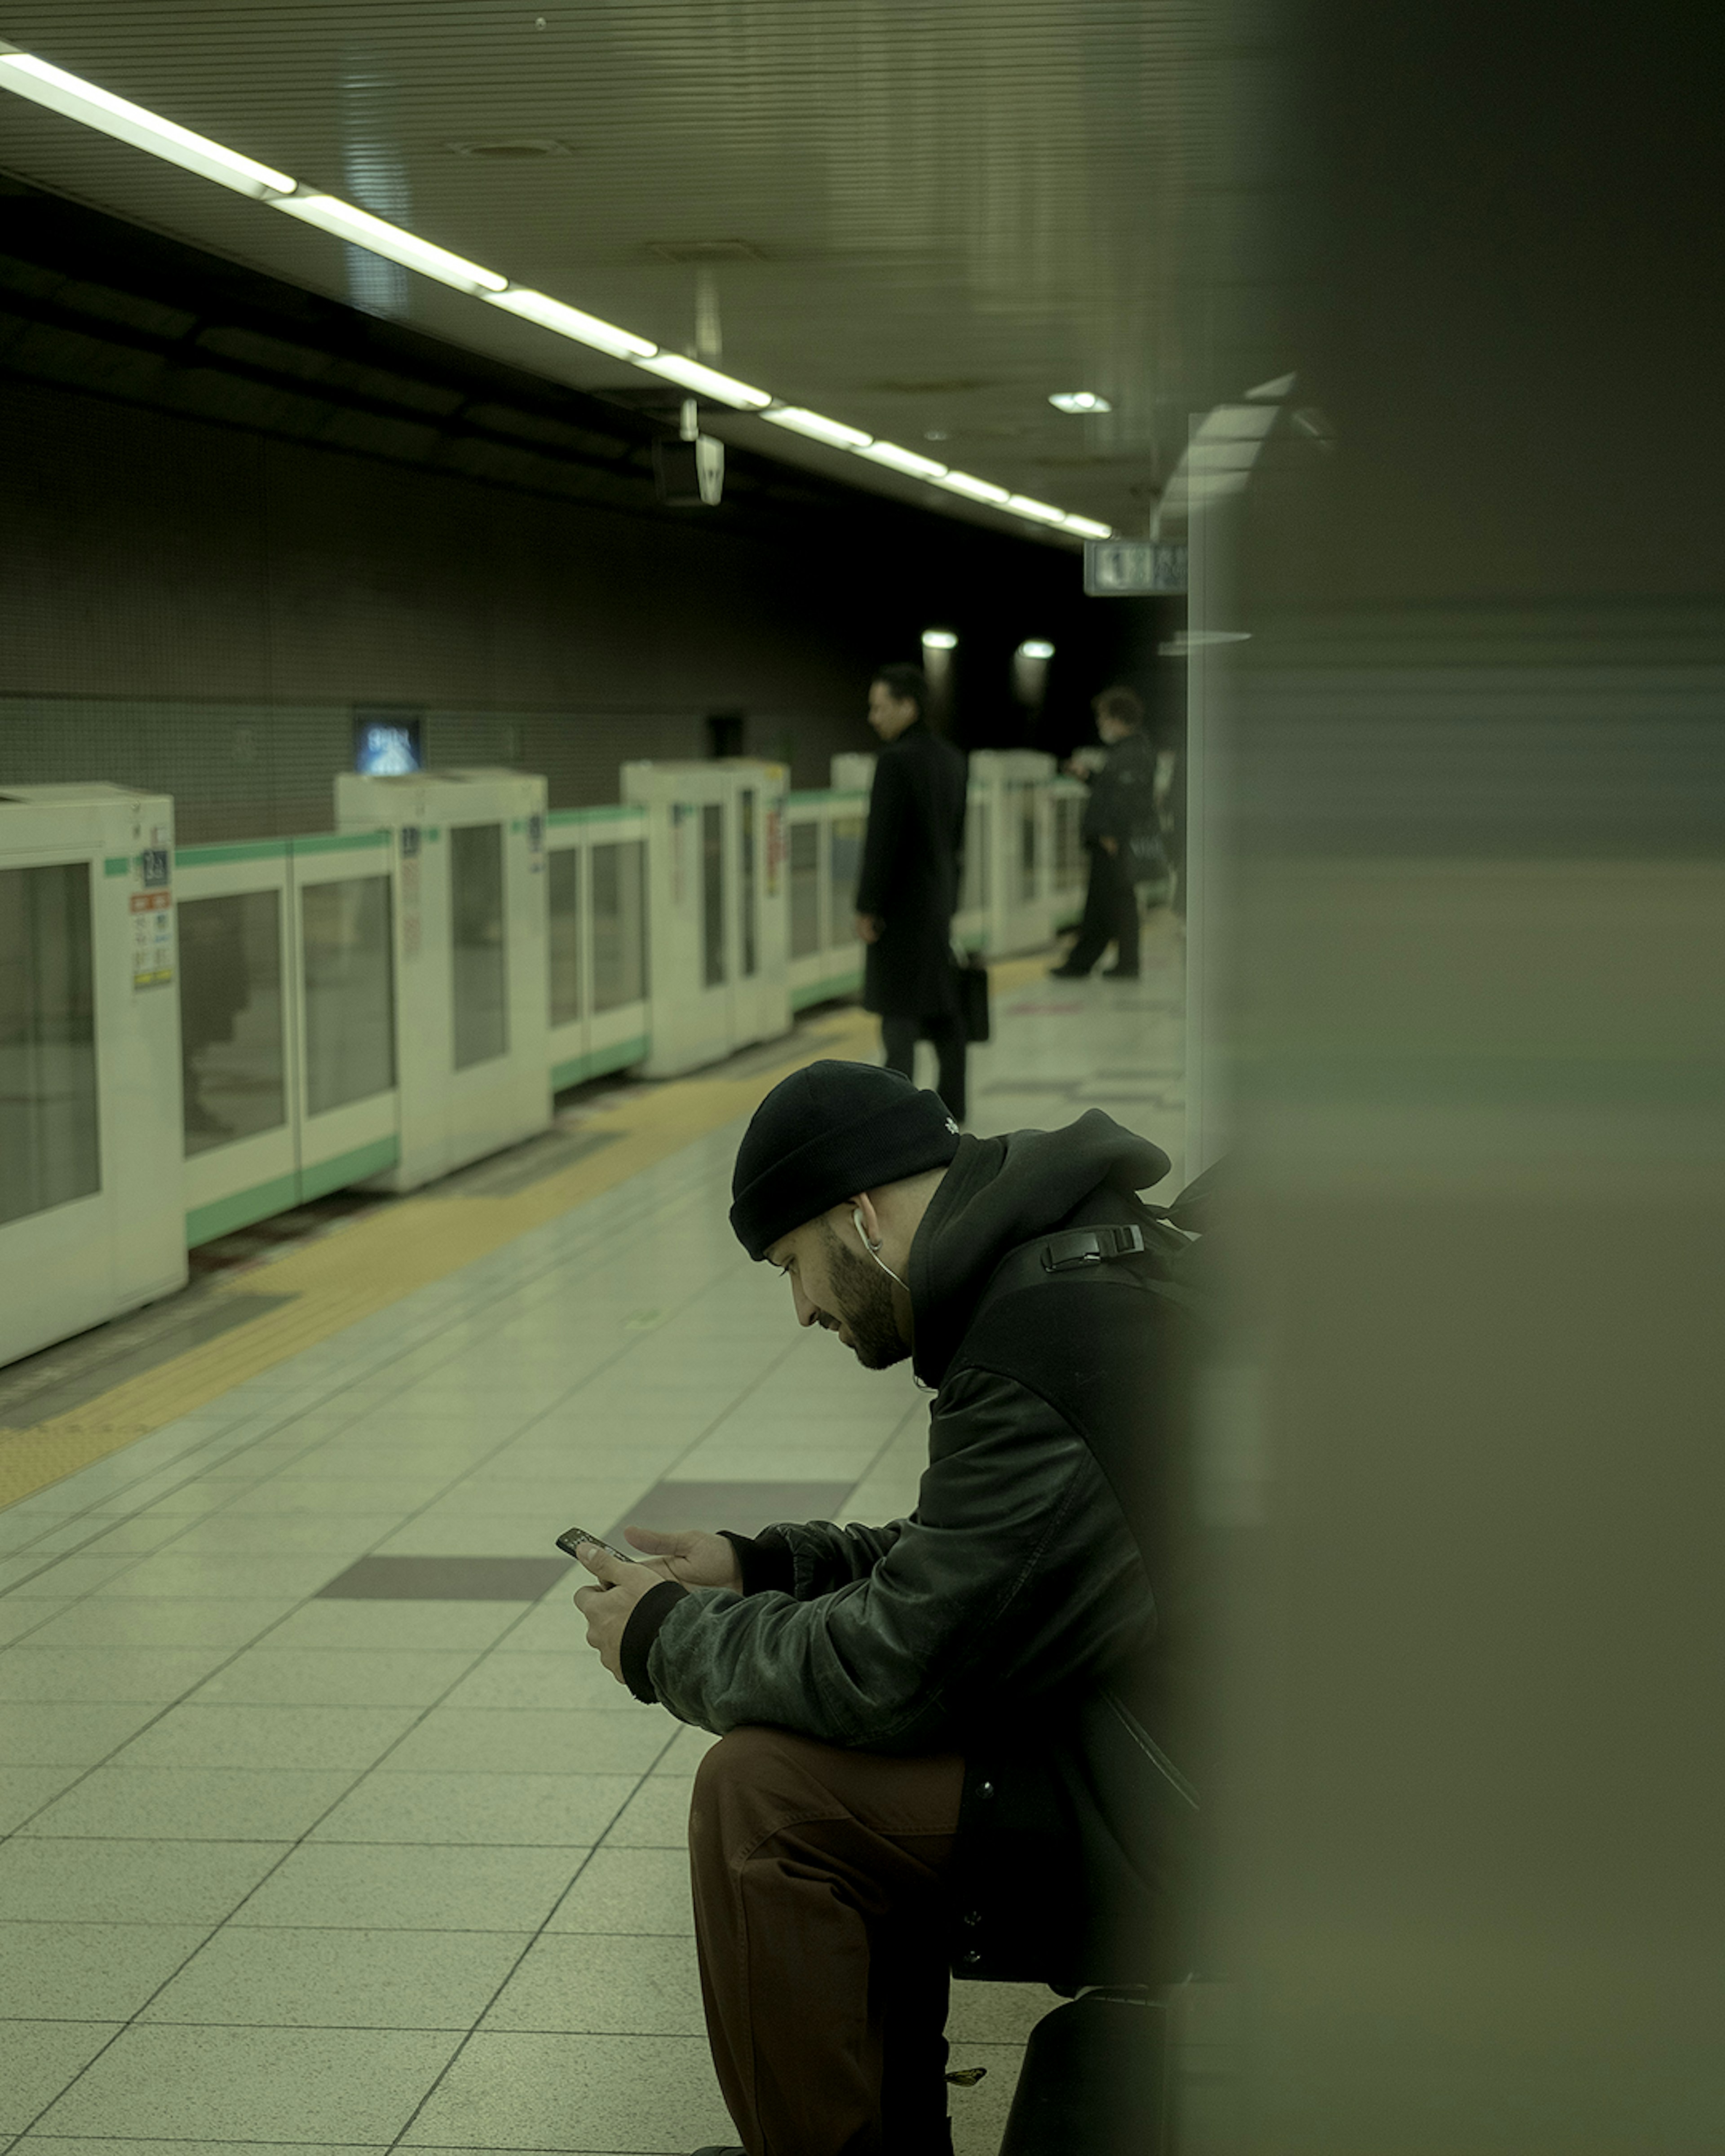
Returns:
point(835, 1286)
point(1110, 729)
point(889, 714)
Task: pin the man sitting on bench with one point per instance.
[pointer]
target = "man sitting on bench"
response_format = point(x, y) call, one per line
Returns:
point(935, 1745)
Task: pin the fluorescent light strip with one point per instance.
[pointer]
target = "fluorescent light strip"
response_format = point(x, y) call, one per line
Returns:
point(330, 214)
point(570, 322)
point(44, 84)
point(1039, 512)
point(817, 428)
point(903, 460)
point(978, 490)
point(690, 374)
point(69, 94)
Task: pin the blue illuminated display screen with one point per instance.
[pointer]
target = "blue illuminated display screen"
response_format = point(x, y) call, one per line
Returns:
point(386, 749)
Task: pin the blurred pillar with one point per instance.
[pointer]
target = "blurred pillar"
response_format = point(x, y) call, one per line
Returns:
point(1467, 1451)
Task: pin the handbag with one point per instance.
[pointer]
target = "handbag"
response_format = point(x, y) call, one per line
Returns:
point(970, 984)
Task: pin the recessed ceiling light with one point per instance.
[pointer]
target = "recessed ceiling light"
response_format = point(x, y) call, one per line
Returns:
point(506, 148)
point(939, 639)
point(571, 323)
point(1036, 647)
point(705, 250)
point(1079, 400)
point(817, 428)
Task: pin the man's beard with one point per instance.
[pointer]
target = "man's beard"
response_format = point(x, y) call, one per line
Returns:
point(862, 1298)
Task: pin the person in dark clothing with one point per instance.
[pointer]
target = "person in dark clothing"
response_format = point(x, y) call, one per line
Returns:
point(907, 890)
point(1119, 818)
point(920, 1720)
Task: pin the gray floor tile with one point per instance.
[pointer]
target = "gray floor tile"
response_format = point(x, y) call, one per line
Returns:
point(41, 2058)
point(193, 1803)
point(743, 1507)
point(283, 1676)
point(523, 1741)
point(448, 1578)
point(997, 2013)
point(44, 2145)
point(463, 1536)
point(514, 1810)
point(638, 1890)
point(686, 1751)
point(303, 1737)
point(20, 1619)
point(155, 1674)
point(158, 2081)
point(208, 1574)
point(592, 1984)
point(32, 1581)
point(656, 1817)
point(35, 1734)
point(507, 2090)
point(24, 1790)
point(129, 1882)
point(411, 1887)
point(978, 2114)
point(97, 1972)
point(392, 1627)
point(341, 1534)
point(328, 1978)
point(572, 1676)
point(165, 1624)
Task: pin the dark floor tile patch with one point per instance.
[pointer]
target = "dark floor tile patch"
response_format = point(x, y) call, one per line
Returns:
point(446, 1579)
point(75, 1372)
point(744, 1508)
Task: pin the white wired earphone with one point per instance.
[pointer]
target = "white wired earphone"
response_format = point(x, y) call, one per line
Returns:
point(874, 1248)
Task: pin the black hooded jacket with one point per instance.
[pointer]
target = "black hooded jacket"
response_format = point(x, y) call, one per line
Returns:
point(1001, 1618)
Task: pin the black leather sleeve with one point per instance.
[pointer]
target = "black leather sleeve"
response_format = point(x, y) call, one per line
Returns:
point(1016, 1575)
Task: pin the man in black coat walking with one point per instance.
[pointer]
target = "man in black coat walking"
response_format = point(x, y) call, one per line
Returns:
point(1119, 820)
point(908, 890)
point(937, 1733)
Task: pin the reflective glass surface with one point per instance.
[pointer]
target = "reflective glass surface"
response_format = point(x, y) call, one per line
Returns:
point(746, 860)
point(805, 889)
point(350, 992)
point(478, 953)
point(844, 866)
point(231, 1036)
point(50, 1149)
point(619, 924)
point(712, 895)
point(976, 891)
point(1025, 807)
point(563, 893)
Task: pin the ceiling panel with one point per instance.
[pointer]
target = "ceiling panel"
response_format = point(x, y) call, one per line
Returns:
point(919, 218)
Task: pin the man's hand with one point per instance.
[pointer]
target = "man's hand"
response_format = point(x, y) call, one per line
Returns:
point(697, 1559)
point(867, 927)
point(1109, 845)
point(608, 1606)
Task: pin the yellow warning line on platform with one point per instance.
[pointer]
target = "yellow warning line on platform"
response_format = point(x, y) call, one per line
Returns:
point(333, 1282)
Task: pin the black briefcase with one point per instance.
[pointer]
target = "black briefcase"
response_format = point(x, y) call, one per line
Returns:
point(970, 979)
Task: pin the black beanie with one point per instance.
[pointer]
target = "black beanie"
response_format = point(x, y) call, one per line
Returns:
point(823, 1134)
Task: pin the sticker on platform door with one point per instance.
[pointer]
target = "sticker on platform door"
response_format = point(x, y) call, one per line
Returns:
point(152, 938)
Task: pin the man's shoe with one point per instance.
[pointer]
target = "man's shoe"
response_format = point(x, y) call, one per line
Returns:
point(714, 2149)
point(1068, 973)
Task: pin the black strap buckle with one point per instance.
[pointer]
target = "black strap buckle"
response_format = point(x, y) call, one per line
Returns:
point(1079, 1247)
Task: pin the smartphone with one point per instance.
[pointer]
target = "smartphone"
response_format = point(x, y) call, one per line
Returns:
point(571, 1538)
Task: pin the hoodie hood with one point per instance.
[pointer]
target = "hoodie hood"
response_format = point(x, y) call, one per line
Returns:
point(1000, 1193)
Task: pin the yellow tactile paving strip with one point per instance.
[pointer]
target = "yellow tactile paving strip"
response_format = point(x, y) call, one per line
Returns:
point(340, 1279)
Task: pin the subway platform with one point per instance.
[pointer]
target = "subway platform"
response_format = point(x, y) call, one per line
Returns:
point(323, 1827)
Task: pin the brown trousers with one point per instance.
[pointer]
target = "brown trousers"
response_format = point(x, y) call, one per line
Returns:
point(820, 1916)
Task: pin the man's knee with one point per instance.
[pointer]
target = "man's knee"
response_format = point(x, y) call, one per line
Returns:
point(747, 1777)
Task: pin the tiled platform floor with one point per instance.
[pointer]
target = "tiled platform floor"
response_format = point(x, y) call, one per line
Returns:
point(283, 1869)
